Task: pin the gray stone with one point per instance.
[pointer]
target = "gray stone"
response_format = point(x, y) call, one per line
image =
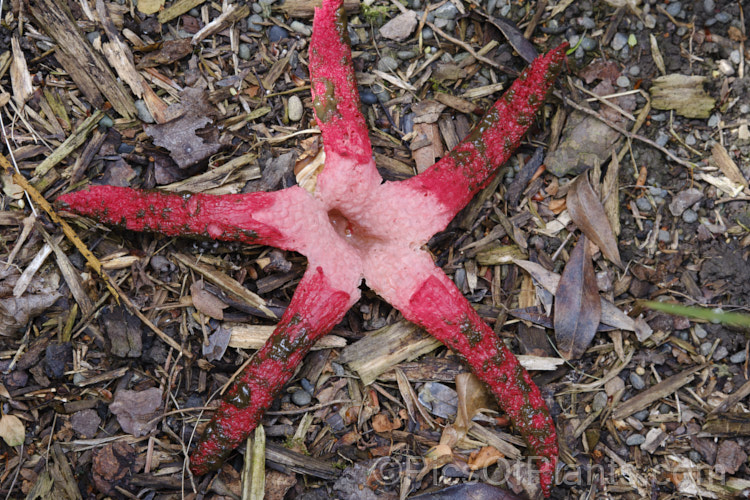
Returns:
point(720, 353)
point(689, 216)
point(700, 332)
point(706, 348)
point(623, 81)
point(600, 401)
point(664, 236)
point(619, 41)
point(92, 36)
point(427, 33)
point(107, 122)
point(277, 33)
point(650, 21)
point(387, 63)
point(142, 111)
point(640, 415)
point(714, 120)
point(254, 23)
point(709, 6)
point(662, 138)
point(734, 56)
point(445, 24)
point(684, 199)
point(723, 17)
point(588, 44)
point(295, 108)
point(637, 381)
point(301, 397)
point(674, 8)
point(405, 55)
point(643, 204)
point(243, 51)
point(446, 11)
point(301, 28)
point(588, 23)
point(635, 440)
point(695, 456)
point(634, 70)
point(738, 357)
point(690, 140)
point(401, 27)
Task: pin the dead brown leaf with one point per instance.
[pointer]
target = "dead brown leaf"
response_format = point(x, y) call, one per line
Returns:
point(485, 457)
point(472, 398)
point(577, 304)
point(206, 302)
point(179, 135)
point(135, 410)
point(588, 214)
point(171, 51)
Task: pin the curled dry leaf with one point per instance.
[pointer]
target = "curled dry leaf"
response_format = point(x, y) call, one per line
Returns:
point(577, 304)
point(12, 430)
point(472, 398)
point(588, 214)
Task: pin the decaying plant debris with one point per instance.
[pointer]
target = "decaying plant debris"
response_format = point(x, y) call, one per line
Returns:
point(95, 321)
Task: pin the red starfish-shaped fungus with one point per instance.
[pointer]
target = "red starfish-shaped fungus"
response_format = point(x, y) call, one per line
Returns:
point(355, 226)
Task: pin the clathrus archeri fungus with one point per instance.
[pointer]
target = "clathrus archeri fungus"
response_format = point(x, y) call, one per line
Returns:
point(355, 226)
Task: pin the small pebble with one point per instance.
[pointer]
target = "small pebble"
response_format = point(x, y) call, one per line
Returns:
point(619, 41)
point(445, 24)
point(695, 456)
point(635, 440)
point(588, 23)
point(92, 36)
point(243, 51)
point(405, 54)
point(277, 33)
point(600, 401)
point(427, 33)
point(446, 11)
point(301, 397)
point(142, 111)
point(734, 56)
point(637, 381)
point(700, 332)
point(643, 204)
point(634, 70)
point(689, 216)
point(108, 122)
point(662, 138)
point(690, 140)
point(709, 6)
point(706, 348)
point(367, 97)
point(674, 8)
point(650, 21)
point(665, 409)
point(573, 39)
point(738, 357)
point(641, 415)
point(723, 17)
point(295, 108)
point(387, 63)
point(664, 236)
point(588, 44)
point(254, 23)
point(623, 81)
point(257, 8)
point(301, 28)
point(306, 385)
point(125, 148)
point(720, 353)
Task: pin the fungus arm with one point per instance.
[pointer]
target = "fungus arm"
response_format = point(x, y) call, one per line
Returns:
point(316, 307)
point(336, 100)
point(469, 167)
point(254, 218)
point(427, 297)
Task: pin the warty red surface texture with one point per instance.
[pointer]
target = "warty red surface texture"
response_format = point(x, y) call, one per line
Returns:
point(354, 227)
